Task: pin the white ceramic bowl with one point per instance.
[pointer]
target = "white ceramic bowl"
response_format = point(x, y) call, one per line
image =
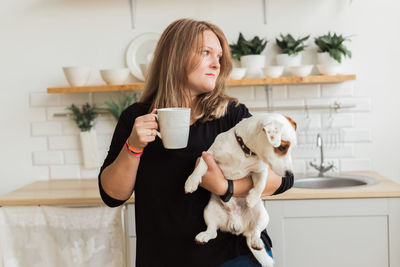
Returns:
point(301, 71)
point(238, 73)
point(273, 71)
point(329, 69)
point(115, 76)
point(77, 75)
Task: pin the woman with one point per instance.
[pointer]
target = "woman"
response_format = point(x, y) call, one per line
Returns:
point(190, 67)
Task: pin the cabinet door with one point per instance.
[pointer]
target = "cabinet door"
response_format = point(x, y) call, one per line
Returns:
point(131, 234)
point(329, 233)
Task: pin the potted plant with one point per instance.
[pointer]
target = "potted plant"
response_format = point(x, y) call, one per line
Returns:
point(291, 50)
point(84, 119)
point(331, 48)
point(249, 54)
point(124, 101)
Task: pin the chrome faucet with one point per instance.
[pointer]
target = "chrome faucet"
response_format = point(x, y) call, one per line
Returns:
point(323, 167)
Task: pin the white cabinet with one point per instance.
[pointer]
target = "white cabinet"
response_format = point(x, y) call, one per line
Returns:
point(130, 234)
point(335, 232)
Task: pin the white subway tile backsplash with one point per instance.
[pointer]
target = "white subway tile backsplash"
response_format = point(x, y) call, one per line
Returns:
point(299, 166)
point(303, 91)
point(50, 111)
point(355, 165)
point(337, 89)
point(40, 173)
point(89, 174)
point(45, 128)
point(64, 142)
point(101, 97)
point(48, 157)
point(44, 99)
point(337, 120)
point(242, 92)
point(76, 98)
point(288, 102)
point(56, 141)
point(73, 157)
point(65, 172)
point(357, 135)
point(37, 114)
point(105, 126)
point(278, 92)
point(38, 143)
point(69, 127)
point(363, 104)
point(320, 101)
point(341, 151)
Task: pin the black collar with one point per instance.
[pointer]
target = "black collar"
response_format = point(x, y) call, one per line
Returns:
point(245, 149)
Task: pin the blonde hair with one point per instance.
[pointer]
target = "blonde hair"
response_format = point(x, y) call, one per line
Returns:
point(172, 63)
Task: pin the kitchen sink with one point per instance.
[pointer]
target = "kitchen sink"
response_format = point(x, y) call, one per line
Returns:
point(333, 181)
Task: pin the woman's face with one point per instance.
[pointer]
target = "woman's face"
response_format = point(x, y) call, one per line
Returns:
point(203, 78)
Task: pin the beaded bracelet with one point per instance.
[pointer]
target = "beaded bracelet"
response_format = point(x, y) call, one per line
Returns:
point(136, 153)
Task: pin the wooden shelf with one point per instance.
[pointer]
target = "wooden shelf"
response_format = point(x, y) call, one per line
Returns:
point(243, 82)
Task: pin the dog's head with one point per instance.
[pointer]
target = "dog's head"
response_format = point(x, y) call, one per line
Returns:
point(278, 137)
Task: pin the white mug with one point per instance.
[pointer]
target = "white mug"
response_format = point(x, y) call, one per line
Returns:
point(174, 124)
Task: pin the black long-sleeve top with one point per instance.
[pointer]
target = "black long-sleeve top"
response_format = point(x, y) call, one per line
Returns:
point(167, 219)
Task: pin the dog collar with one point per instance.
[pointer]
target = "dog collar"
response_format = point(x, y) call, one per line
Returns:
point(245, 149)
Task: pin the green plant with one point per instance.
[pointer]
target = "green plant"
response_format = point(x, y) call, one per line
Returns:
point(84, 117)
point(333, 44)
point(244, 47)
point(290, 45)
point(124, 101)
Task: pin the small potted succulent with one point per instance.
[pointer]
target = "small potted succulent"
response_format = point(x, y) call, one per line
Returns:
point(291, 50)
point(331, 48)
point(249, 54)
point(84, 119)
point(124, 101)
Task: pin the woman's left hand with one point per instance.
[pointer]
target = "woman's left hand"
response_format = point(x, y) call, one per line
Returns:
point(213, 180)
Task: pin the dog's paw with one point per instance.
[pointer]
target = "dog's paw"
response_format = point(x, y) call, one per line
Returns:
point(252, 199)
point(257, 243)
point(268, 262)
point(205, 236)
point(191, 184)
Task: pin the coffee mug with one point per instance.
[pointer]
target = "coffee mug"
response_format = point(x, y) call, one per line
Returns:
point(174, 124)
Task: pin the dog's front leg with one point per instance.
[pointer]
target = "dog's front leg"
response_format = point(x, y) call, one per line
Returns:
point(259, 182)
point(194, 179)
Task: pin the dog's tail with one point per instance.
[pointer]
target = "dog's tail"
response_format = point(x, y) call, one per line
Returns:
point(261, 255)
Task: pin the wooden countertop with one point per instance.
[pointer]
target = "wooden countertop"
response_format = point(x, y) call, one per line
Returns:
point(56, 192)
point(386, 188)
point(85, 192)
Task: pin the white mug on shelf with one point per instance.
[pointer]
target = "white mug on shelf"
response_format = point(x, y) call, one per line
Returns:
point(174, 124)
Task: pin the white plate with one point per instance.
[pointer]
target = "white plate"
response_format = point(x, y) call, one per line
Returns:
point(140, 51)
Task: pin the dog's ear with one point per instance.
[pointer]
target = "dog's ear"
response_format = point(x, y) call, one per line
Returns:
point(273, 130)
point(292, 122)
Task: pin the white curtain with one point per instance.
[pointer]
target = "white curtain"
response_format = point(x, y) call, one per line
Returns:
point(61, 236)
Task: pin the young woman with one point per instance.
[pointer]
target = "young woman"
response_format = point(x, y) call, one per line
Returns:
point(190, 68)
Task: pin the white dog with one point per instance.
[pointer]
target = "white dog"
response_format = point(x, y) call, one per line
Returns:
point(246, 149)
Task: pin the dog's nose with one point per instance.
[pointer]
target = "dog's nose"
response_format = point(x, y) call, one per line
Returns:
point(289, 174)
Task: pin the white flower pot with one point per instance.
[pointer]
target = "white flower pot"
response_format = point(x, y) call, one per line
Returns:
point(89, 149)
point(288, 61)
point(325, 59)
point(328, 65)
point(254, 65)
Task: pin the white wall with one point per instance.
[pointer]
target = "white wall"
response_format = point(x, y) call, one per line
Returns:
point(39, 37)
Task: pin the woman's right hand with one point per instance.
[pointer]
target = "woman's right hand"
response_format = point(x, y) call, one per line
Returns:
point(144, 130)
